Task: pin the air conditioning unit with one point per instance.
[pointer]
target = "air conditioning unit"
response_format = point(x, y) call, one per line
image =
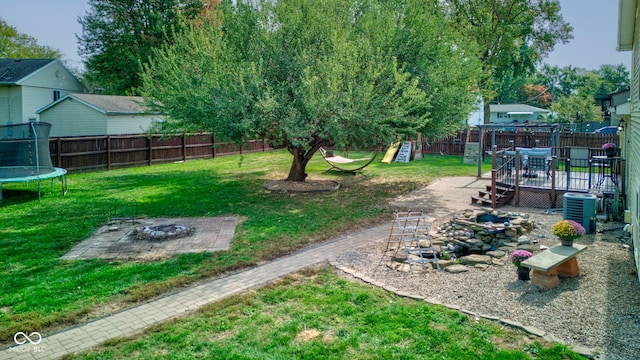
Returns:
point(580, 208)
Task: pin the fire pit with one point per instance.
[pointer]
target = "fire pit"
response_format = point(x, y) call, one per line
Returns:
point(478, 231)
point(162, 232)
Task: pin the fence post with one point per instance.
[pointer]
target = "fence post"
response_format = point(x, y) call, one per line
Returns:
point(59, 152)
point(184, 147)
point(150, 142)
point(108, 152)
point(213, 146)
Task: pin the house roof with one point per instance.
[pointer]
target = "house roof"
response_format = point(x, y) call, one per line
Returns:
point(14, 70)
point(106, 104)
point(626, 24)
point(515, 109)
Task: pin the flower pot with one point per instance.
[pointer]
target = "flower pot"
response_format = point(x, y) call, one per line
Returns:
point(566, 242)
point(523, 273)
point(611, 152)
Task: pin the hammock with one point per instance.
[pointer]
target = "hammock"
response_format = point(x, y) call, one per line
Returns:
point(334, 160)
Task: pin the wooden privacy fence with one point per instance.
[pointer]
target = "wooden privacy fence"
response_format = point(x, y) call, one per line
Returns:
point(115, 151)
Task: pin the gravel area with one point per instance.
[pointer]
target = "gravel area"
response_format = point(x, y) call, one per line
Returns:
point(599, 309)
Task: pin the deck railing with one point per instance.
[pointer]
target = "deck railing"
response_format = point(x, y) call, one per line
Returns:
point(555, 175)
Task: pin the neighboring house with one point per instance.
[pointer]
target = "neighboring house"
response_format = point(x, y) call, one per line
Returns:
point(90, 114)
point(26, 85)
point(629, 39)
point(619, 107)
point(515, 113)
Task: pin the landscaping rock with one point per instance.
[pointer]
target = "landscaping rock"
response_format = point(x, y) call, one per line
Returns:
point(474, 259)
point(496, 253)
point(456, 269)
point(523, 240)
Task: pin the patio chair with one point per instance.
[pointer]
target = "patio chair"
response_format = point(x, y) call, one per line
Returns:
point(579, 157)
point(537, 161)
point(509, 162)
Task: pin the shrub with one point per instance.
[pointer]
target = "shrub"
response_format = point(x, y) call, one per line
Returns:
point(568, 229)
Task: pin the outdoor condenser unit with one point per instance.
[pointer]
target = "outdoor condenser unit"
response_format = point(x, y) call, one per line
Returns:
point(580, 208)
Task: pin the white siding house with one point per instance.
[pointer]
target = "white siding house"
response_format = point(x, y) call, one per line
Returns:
point(514, 113)
point(90, 114)
point(629, 39)
point(27, 85)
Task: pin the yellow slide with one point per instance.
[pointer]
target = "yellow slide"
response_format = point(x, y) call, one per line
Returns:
point(391, 152)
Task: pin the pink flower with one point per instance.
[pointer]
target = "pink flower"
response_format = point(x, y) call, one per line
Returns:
point(608, 146)
point(518, 256)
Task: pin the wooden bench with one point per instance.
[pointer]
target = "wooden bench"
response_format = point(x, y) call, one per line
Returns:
point(556, 261)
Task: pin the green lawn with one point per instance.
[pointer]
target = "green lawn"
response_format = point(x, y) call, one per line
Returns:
point(318, 315)
point(40, 292)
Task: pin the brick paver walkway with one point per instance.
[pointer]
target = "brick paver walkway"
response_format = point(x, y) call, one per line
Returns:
point(135, 320)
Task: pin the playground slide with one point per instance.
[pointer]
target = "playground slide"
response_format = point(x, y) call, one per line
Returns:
point(391, 152)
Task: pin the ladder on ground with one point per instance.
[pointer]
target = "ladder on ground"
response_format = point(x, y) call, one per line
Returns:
point(410, 233)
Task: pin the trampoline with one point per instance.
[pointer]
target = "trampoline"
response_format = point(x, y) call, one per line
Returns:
point(24, 155)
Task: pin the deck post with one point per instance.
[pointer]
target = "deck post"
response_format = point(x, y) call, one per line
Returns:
point(517, 179)
point(553, 182)
point(494, 191)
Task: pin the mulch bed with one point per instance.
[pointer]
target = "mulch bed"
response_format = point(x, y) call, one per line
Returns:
point(302, 186)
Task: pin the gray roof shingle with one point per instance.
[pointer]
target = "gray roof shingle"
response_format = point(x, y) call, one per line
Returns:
point(515, 108)
point(114, 104)
point(14, 70)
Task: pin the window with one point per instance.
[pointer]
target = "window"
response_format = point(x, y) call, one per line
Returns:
point(56, 95)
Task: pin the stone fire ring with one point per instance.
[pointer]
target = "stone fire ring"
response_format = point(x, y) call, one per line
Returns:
point(163, 232)
point(301, 186)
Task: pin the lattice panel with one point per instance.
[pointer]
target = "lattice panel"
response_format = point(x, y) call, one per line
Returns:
point(538, 199)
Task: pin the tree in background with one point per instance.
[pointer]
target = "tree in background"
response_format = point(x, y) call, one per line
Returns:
point(446, 69)
point(575, 109)
point(536, 95)
point(119, 36)
point(14, 45)
point(561, 82)
point(568, 80)
point(523, 90)
point(310, 73)
point(616, 77)
point(513, 36)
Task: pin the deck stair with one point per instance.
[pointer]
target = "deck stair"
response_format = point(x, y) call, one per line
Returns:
point(504, 194)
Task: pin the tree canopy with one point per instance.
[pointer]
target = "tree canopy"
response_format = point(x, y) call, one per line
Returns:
point(513, 36)
point(311, 73)
point(14, 45)
point(574, 109)
point(118, 37)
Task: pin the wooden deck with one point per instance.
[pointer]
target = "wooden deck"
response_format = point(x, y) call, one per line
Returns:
point(544, 186)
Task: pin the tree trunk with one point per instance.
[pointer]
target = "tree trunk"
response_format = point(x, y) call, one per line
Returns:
point(299, 164)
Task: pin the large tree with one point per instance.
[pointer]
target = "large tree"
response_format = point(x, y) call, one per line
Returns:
point(311, 73)
point(14, 45)
point(513, 36)
point(120, 35)
point(575, 109)
point(590, 84)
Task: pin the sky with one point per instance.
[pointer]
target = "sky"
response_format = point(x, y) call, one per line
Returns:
point(54, 23)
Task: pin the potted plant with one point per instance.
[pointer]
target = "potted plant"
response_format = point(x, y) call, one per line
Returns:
point(610, 149)
point(567, 231)
point(517, 257)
